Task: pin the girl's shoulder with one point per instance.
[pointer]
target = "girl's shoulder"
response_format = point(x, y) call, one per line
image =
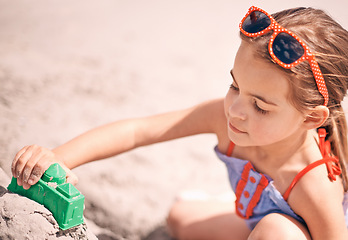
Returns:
point(318, 200)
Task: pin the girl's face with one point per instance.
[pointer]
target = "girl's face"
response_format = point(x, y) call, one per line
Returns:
point(256, 106)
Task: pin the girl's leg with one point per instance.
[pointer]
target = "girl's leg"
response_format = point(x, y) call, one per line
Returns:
point(279, 226)
point(206, 220)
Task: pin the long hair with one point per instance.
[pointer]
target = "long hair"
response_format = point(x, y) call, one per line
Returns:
point(328, 41)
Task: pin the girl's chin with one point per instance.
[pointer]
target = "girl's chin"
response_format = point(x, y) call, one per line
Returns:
point(241, 140)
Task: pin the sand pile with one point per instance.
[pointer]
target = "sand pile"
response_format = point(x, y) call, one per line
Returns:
point(21, 218)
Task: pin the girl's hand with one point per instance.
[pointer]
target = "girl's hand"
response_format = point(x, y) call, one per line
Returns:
point(32, 161)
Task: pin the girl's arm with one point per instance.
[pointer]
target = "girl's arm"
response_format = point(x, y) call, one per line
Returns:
point(115, 138)
point(121, 136)
point(319, 202)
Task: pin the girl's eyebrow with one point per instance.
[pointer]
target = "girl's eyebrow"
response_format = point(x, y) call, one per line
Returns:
point(253, 95)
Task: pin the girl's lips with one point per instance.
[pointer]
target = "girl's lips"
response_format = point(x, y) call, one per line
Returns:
point(234, 129)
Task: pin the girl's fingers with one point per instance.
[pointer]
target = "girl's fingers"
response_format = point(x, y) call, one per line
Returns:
point(20, 165)
point(38, 162)
point(30, 163)
point(27, 170)
point(71, 178)
point(15, 161)
point(38, 170)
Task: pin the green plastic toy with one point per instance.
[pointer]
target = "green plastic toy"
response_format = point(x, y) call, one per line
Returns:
point(63, 200)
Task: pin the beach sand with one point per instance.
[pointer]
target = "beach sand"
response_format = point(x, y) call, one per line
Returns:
point(69, 66)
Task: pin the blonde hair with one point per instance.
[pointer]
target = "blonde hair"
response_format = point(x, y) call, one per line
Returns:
point(328, 41)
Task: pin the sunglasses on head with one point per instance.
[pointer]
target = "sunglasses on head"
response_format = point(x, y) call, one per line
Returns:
point(285, 48)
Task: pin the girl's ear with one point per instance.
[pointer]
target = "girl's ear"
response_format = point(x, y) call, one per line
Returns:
point(316, 117)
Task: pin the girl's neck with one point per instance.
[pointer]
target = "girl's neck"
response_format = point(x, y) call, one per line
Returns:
point(292, 150)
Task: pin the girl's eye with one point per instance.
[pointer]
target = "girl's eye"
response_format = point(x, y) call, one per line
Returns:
point(233, 87)
point(260, 110)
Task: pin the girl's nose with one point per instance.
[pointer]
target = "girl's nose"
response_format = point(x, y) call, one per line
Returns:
point(236, 109)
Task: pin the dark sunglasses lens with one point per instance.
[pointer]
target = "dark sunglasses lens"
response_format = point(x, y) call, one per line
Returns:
point(256, 22)
point(286, 48)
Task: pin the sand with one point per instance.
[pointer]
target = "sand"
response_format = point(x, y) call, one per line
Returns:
point(69, 66)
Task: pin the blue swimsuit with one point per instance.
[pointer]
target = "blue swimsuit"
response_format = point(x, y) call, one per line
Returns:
point(257, 196)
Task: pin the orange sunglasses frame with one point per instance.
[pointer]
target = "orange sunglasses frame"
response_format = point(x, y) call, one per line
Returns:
point(307, 56)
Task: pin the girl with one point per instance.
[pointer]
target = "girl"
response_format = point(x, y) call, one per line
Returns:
point(289, 79)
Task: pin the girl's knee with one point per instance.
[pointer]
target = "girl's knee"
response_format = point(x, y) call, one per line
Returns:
point(278, 226)
point(172, 222)
point(176, 220)
point(183, 218)
point(205, 220)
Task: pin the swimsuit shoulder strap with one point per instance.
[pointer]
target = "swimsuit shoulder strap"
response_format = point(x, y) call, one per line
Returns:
point(332, 163)
point(230, 149)
point(328, 161)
